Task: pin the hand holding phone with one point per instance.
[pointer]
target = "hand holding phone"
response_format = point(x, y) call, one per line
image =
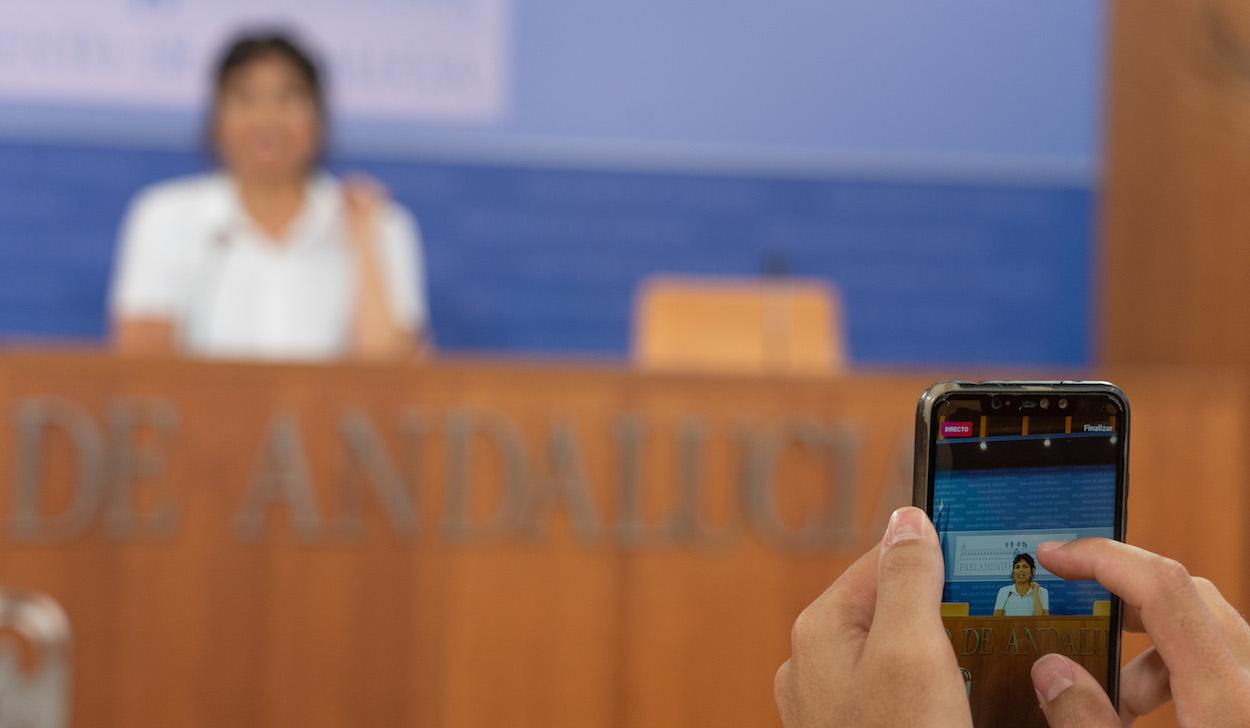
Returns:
point(873, 633)
point(869, 651)
point(1201, 653)
point(1000, 468)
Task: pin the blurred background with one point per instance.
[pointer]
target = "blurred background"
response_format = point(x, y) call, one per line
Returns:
point(555, 156)
point(670, 276)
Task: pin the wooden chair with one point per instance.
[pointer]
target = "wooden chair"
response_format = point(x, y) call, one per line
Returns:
point(745, 325)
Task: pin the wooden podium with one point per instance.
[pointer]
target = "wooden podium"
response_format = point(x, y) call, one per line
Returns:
point(998, 653)
point(485, 544)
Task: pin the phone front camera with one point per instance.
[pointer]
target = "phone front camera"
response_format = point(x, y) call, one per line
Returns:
point(1063, 404)
point(996, 403)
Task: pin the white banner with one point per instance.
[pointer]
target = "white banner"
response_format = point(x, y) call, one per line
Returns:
point(433, 60)
point(980, 556)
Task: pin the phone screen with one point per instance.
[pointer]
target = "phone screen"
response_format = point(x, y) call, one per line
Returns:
point(1009, 471)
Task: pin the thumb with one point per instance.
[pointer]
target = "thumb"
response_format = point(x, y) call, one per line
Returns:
point(1070, 696)
point(909, 580)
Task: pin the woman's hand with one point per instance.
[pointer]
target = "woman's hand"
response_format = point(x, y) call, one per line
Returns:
point(364, 199)
point(1201, 653)
point(1035, 593)
point(871, 651)
point(377, 333)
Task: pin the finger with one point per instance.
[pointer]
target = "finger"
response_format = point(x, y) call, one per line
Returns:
point(1234, 624)
point(365, 188)
point(1145, 685)
point(831, 630)
point(1236, 630)
point(1235, 627)
point(783, 683)
point(841, 615)
point(909, 582)
point(827, 637)
point(1070, 696)
point(1173, 611)
point(803, 695)
point(361, 180)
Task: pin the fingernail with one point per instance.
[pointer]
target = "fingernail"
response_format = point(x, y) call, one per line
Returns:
point(905, 524)
point(1048, 546)
point(1052, 674)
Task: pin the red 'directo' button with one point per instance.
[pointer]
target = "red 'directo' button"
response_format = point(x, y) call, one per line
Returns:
point(956, 429)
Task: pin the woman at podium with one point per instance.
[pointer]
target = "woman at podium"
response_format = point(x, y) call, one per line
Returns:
point(268, 256)
point(1023, 597)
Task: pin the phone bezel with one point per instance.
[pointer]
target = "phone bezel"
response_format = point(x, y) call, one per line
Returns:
point(923, 469)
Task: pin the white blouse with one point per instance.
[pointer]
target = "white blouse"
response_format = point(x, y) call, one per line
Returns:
point(190, 255)
point(1014, 605)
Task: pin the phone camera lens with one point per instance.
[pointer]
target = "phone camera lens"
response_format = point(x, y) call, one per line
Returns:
point(996, 403)
point(1044, 403)
point(1063, 404)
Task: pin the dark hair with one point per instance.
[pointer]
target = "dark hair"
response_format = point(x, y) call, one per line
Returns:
point(250, 47)
point(1026, 559)
point(253, 46)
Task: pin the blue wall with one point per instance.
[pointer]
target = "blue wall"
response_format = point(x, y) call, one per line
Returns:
point(959, 77)
point(1067, 598)
point(1030, 498)
point(1080, 499)
point(545, 259)
point(961, 80)
point(934, 160)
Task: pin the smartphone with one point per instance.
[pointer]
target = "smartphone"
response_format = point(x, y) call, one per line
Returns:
point(1001, 467)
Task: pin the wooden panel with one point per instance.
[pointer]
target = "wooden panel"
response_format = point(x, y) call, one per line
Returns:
point(1177, 269)
point(740, 325)
point(998, 654)
point(1176, 263)
point(1188, 478)
point(733, 605)
point(555, 623)
point(671, 528)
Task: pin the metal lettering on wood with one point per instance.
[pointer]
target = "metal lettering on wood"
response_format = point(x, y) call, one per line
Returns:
point(484, 544)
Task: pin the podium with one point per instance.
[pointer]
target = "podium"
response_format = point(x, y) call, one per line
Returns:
point(997, 655)
point(472, 543)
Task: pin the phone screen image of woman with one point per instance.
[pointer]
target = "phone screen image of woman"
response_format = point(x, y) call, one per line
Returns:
point(1009, 472)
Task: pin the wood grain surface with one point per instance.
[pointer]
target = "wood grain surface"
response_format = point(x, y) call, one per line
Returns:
point(999, 652)
point(657, 614)
point(1176, 251)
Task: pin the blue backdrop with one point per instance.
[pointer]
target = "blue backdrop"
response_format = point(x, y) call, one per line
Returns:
point(533, 258)
point(1079, 499)
point(934, 160)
